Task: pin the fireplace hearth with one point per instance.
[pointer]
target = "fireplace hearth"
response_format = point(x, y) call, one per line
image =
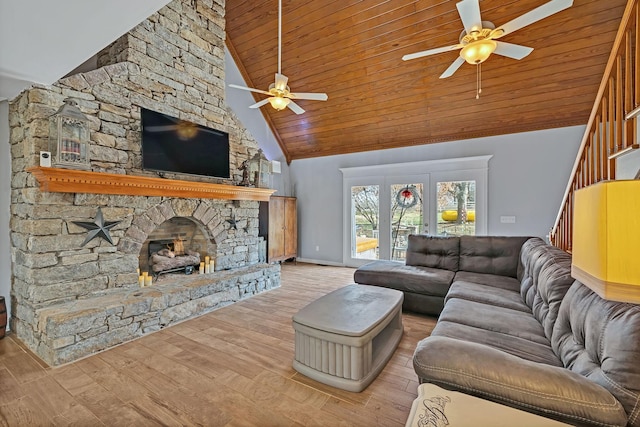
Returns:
point(87, 321)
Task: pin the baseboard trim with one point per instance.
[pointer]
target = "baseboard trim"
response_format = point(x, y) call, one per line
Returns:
point(320, 262)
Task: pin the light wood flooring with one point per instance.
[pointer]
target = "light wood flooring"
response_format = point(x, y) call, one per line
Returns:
point(231, 367)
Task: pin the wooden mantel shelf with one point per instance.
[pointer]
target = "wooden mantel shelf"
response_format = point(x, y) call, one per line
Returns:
point(75, 181)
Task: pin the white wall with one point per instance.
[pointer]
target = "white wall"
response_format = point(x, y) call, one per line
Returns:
point(527, 177)
point(5, 205)
point(628, 165)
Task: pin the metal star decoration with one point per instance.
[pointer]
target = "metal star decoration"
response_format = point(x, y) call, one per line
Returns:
point(232, 221)
point(98, 228)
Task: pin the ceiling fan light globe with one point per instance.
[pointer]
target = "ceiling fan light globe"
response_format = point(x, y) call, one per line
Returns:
point(279, 103)
point(186, 130)
point(478, 51)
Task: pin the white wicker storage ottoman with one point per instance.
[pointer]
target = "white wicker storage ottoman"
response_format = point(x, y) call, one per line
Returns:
point(345, 338)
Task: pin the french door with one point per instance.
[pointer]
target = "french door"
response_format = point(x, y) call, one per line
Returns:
point(384, 211)
point(384, 205)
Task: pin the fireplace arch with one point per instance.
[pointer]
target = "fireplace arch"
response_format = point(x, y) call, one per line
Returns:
point(205, 215)
point(229, 229)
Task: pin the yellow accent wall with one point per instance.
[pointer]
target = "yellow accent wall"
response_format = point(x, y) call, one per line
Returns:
point(606, 234)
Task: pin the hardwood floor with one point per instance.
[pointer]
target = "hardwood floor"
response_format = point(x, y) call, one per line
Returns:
point(231, 367)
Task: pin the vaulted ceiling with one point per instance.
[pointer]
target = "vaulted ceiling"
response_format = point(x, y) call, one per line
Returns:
point(352, 50)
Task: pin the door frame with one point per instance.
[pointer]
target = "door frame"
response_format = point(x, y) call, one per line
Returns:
point(436, 170)
point(347, 228)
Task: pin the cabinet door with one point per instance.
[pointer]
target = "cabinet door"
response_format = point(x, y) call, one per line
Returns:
point(290, 228)
point(276, 229)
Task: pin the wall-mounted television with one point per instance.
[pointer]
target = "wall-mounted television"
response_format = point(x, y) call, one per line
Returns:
point(174, 145)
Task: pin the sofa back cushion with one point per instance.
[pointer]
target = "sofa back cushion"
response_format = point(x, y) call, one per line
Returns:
point(544, 281)
point(433, 251)
point(491, 255)
point(529, 253)
point(600, 340)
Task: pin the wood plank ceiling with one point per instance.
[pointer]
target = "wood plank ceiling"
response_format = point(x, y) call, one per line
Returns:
point(352, 49)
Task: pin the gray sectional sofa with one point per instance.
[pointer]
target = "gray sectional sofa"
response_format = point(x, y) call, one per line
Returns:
point(434, 263)
point(515, 328)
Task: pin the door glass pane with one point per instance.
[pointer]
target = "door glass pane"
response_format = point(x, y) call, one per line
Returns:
point(456, 208)
point(406, 217)
point(365, 203)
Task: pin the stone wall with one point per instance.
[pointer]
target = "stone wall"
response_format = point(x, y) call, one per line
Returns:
point(71, 299)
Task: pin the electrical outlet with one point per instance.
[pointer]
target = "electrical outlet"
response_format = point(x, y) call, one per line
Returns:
point(508, 219)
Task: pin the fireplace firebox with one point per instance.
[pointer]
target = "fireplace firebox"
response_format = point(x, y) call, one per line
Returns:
point(169, 256)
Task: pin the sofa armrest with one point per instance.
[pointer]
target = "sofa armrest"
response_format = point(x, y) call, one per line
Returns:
point(495, 375)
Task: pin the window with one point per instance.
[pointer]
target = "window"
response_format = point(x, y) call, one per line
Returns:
point(456, 208)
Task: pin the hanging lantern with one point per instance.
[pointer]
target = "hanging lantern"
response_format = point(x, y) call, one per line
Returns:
point(259, 170)
point(68, 137)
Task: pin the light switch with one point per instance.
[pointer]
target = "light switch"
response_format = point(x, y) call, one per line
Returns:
point(508, 219)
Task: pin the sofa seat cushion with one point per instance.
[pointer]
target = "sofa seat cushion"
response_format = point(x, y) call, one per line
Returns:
point(524, 348)
point(396, 275)
point(508, 283)
point(497, 319)
point(487, 295)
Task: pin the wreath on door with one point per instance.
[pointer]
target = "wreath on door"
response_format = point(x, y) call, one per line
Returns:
point(407, 197)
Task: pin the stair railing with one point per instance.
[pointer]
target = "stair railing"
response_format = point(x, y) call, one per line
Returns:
point(611, 130)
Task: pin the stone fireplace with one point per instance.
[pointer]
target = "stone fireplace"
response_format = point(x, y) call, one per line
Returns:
point(72, 299)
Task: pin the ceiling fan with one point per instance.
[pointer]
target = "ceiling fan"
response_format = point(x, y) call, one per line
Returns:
point(279, 93)
point(478, 39)
point(184, 129)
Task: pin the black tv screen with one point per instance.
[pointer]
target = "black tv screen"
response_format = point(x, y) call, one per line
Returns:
point(173, 145)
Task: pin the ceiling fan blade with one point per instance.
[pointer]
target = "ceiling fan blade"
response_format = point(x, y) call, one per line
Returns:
point(295, 108)
point(161, 128)
point(511, 50)
point(452, 68)
point(312, 96)
point(281, 81)
point(249, 89)
point(535, 15)
point(431, 52)
point(469, 11)
point(259, 103)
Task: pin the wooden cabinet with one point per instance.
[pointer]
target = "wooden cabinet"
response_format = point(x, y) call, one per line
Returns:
point(279, 226)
